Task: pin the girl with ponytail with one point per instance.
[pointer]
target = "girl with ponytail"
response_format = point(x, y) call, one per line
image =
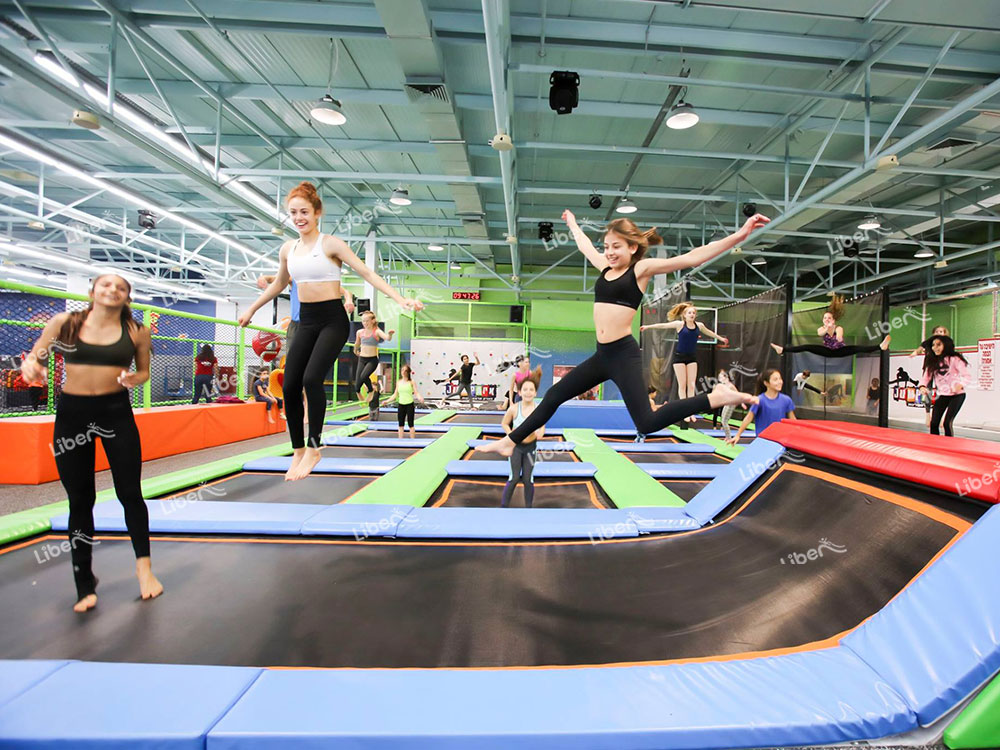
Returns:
point(98, 345)
point(314, 262)
point(683, 318)
point(625, 273)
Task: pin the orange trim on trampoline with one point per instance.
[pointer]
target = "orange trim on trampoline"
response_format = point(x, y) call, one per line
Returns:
point(452, 482)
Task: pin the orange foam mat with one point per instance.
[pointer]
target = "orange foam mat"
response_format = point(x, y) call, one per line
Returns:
point(28, 456)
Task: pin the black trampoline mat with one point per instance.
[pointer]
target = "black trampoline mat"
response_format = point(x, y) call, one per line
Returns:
point(733, 588)
point(271, 487)
point(549, 493)
point(475, 419)
point(685, 489)
point(394, 434)
point(346, 451)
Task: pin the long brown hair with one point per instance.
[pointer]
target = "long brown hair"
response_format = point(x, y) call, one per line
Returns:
point(628, 231)
point(70, 332)
point(535, 377)
point(836, 307)
point(678, 310)
point(406, 373)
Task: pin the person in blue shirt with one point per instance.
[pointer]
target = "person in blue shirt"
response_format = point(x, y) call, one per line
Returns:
point(772, 407)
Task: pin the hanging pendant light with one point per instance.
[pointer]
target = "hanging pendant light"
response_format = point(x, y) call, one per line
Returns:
point(329, 110)
point(682, 116)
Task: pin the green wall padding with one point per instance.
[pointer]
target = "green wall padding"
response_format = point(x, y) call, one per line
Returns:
point(626, 484)
point(978, 726)
point(416, 479)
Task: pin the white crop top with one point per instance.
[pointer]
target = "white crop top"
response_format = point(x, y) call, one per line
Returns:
point(313, 266)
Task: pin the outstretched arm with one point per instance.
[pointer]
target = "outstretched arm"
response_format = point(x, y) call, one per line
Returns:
point(646, 268)
point(336, 248)
point(709, 332)
point(743, 425)
point(674, 325)
point(597, 259)
point(281, 280)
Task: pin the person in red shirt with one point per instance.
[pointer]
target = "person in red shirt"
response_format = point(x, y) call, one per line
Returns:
point(205, 368)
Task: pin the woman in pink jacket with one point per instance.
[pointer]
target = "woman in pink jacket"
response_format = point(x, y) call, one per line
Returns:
point(950, 372)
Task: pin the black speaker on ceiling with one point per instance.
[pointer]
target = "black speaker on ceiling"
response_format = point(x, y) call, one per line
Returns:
point(564, 95)
point(362, 305)
point(516, 314)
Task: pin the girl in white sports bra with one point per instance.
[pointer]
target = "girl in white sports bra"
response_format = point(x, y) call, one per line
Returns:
point(314, 262)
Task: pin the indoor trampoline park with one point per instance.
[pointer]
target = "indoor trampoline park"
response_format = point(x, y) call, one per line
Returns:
point(592, 374)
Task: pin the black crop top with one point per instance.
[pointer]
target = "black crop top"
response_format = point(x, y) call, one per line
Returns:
point(622, 291)
point(119, 354)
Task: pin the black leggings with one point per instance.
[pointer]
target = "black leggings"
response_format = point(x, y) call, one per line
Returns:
point(319, 337)
point(405, 412)
point(522, 464)
point(946, 406)
point(79, 420)
point(621, 362)
point(366, 366)
point(825, 351)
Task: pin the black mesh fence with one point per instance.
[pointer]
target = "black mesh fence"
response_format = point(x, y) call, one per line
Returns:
point(658, 344)
point(751, 326)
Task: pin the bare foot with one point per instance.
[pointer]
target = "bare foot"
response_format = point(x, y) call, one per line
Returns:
point(270, 418)
point(86, 604)
point(296, 460)
point(722, 396)
point(149, 586)
point(504, 446)
point(778, 349)
point(885, 343)
point(307, 464)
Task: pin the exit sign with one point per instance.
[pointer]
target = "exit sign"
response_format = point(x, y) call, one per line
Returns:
point(473, 296)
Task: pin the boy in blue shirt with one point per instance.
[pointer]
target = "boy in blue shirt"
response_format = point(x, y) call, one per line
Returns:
point(772, 407)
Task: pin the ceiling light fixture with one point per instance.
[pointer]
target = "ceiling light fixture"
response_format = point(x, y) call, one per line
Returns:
point(924, 252)
point(329, 110)
point(760, 260)
point(682, 116)
point(435, 247)
point(626, 206)
point(870, 222)
point(400, 197)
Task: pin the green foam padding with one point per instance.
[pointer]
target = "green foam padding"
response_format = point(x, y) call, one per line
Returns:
point(436, 417)
point(416, 479)
point(26, 523)
point(719, 446)
point(626, 484)
point(348, 411)
point(978, 726)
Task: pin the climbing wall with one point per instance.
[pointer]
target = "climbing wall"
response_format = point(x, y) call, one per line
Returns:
point(434, 359)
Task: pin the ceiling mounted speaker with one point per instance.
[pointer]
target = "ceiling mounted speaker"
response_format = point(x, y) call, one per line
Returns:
point(86, 119)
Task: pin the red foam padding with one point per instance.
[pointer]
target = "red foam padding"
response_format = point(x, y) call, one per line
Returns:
point(893, 455)
point(965, 446)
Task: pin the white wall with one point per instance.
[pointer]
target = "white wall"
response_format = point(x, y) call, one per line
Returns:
point(432, 359)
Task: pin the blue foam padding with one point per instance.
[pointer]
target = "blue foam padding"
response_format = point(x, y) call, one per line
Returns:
point(205, 516)
point(722, 434)
point(813, 698)
point(543, 469)
point(17, 677)
point(516, 523)
point(495, 429)
point(653, 519)
point(328, 465)
point(682, 471)
point(939, 640)
point(755, 459)
point(133, 706)
point(379, 442)
point(544, 445)
point(358, 521)
point(661, 448)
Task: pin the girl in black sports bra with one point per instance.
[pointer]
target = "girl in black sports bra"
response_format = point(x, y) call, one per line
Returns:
point(95, 403)
point(617, 295)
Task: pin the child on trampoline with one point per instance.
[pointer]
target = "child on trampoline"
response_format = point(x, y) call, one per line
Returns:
point(405, 394)
point(683, 318)
point(618, 292)
point(773, 406)
point(950, 373)
point(833, 336)
point(95, 402)
point(522, 460)
point(724, 413)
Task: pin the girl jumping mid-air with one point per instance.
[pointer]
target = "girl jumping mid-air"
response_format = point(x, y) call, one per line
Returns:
point(98, 345)
point(522, 460)
point(833, 336)
point(684, 319)
point(950, 373)
point(314, 262)
point(618, 293)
